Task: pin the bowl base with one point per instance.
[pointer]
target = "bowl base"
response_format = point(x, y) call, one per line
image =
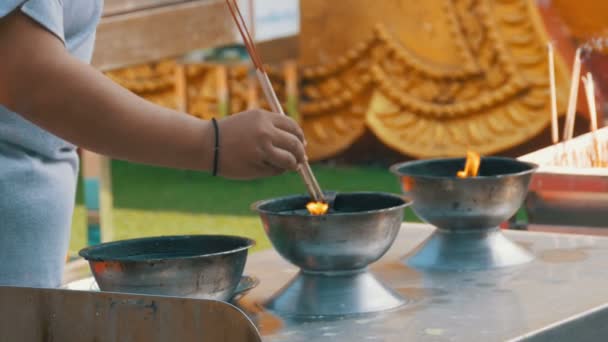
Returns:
point(468, 251)
point(319, 295)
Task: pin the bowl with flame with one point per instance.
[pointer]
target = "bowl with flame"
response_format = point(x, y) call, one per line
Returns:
point(332, 251)
point(467, 200)
point(356, 229)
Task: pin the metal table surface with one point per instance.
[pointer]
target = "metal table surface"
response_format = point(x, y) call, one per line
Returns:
point(568, 277)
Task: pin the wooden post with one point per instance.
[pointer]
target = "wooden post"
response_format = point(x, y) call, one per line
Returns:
point(181, 88)
point(291, 89)
point(223, 99)
point(252, 93)
point(97, 197)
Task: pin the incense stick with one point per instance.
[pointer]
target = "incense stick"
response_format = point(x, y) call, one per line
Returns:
point(304, 170)
point(554, 123)
point(252, 18)
point(590, 92)
point(571, 114)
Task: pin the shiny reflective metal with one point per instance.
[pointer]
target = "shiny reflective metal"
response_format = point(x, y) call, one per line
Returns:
point(588, 326)
point(318, 295)
point(562, 292)
point(246, 284)
point(199, 266)
point(467, 212)
point(333, 252)
point(73, 316)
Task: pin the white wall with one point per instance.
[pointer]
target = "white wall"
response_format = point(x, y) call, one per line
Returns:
point(274, 18)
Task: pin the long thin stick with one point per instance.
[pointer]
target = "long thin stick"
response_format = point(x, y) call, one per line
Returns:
point(590, 92)
point(571, 114)
point(248, 44)
point(554, 123)
point(252, 18)
point(304, 170)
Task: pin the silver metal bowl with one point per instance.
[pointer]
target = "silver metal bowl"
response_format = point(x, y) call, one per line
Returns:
point(358, 231)
point(467, 212)
point(246, 284)
point(198, 266)
point(333, 252)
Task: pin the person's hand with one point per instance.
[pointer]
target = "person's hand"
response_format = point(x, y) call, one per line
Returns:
point(256, 144)
point(36, 70)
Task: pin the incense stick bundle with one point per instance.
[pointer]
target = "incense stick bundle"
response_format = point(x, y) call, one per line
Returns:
point(305, 171)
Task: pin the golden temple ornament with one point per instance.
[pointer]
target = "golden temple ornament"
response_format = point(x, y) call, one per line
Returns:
point(428, 78)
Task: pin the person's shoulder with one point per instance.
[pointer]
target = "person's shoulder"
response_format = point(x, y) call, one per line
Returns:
point(47, 13)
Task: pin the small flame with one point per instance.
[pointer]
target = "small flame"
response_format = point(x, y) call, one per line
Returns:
point(471, 167)
point(317, 208)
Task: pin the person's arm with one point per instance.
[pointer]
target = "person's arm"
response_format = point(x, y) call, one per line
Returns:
point(40, 80)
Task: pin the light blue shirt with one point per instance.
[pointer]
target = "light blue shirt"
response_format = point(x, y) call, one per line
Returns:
point(38, 171)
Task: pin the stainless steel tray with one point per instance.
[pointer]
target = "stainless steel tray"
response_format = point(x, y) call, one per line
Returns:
point(561, 294)
point(547, 297)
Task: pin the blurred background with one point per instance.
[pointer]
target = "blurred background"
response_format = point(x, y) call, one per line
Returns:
point(371, 84)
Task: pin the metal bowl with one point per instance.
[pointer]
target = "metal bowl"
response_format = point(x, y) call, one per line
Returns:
point(333, 252)
point(467, 212)
point(246, 284)
point(198, 266)
point(451, 203)
point(358, 231)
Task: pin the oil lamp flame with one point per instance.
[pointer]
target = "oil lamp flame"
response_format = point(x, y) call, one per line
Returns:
point(471, 167)
point(317, 208)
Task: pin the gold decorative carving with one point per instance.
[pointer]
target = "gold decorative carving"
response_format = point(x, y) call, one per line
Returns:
point(492, 97)
point(482, 84)
point(153, 81)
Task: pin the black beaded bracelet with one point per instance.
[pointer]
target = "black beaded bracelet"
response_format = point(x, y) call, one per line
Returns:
point(216, 148)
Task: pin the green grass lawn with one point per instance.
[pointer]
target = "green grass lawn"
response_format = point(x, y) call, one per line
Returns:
point(152, 201)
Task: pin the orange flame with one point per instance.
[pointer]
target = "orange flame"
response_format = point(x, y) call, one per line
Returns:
point(317, 208)
point(471, 167)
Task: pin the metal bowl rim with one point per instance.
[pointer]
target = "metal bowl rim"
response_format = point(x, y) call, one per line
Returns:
point(406, 203)
point(395, 169)
point(85, 252)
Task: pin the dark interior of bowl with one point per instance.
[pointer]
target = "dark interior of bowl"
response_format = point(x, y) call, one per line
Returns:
point(343, 203)
point(164, 248)
point(490, 166)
